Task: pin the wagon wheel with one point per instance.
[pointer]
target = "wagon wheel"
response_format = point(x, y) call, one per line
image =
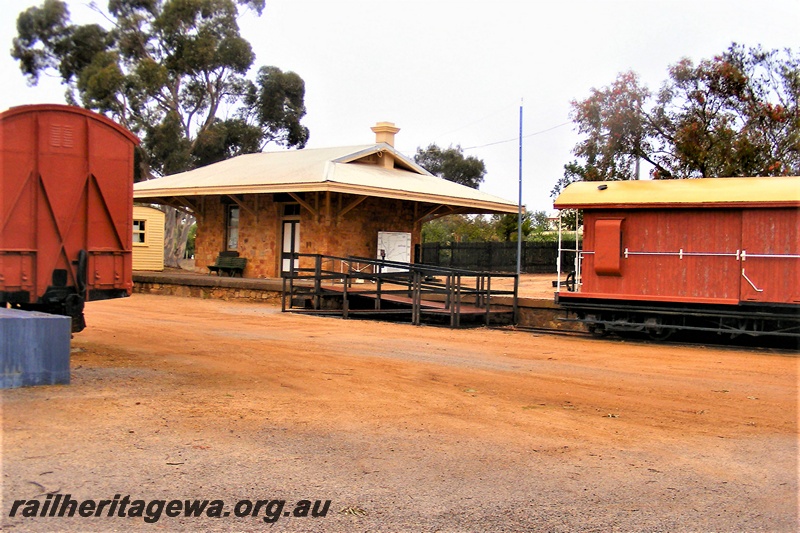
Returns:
point(73, 307)
point(748, 326)
point(658, 330)
point(570, 282)
point(597, 330)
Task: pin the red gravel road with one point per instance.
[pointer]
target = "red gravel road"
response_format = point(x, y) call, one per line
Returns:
point(403, 428)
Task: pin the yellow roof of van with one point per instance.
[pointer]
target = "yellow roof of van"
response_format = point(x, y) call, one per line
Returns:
point(701, 192)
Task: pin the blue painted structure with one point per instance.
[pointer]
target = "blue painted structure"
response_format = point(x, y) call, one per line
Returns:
point(34, 348)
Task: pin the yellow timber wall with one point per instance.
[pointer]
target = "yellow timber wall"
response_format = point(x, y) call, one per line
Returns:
point(149, 255)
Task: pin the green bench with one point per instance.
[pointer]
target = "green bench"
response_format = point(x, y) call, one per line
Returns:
point(228, 265)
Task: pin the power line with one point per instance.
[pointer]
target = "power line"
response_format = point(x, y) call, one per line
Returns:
point(492, 114)
point(517, 138)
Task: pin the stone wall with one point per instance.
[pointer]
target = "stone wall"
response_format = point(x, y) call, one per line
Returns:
point(210, 232)
point(270, 296)
point(259, 233)
point(173, 283)
point(356, 233)
point(323, 232)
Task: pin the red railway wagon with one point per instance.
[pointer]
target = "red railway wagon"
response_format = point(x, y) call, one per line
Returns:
point(66, 201)
point(718, 255)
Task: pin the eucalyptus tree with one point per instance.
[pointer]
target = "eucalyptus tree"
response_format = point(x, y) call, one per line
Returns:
point(451, 164)
point(174, 72)
point(736, 114)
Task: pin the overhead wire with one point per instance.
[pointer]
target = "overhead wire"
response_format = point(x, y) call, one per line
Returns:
point(517, 138)
point(493, 113)
point(504, 141)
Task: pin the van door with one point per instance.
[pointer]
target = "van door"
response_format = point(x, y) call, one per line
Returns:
point(770, 257)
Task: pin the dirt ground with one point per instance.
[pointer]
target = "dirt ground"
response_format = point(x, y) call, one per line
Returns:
point(403, 428)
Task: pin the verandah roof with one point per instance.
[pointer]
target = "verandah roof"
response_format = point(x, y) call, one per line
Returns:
point(341, 170)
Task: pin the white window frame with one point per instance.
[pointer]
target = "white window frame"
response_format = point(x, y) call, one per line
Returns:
point(229, 226)
point(143, 232)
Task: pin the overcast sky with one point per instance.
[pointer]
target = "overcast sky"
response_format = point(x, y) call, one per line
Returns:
point(455, 72)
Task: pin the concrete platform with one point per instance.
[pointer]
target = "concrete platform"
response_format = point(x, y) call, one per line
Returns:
point(191, 279)
point(535, 301)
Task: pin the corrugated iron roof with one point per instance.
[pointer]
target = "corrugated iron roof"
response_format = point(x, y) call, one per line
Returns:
point(709, 192)
point(339, 169)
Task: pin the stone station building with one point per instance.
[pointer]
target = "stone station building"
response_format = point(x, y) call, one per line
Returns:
point(368, 201)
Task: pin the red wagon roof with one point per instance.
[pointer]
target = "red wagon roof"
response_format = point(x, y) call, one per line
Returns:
point(36, 108)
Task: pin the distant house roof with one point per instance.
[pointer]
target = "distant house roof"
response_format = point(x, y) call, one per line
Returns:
point(705, 192)
point(351, 170)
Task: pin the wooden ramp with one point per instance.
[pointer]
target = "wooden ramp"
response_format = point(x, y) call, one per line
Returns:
point(362, 287)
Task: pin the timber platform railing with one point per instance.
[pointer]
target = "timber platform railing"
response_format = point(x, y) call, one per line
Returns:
point(395, 288)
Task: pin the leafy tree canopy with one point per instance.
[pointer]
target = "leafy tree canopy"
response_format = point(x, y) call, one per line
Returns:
point(459, 228)
point(479, 228)
point(452, 165)
point(734, 115)
point(167, 70)
point(507, 226)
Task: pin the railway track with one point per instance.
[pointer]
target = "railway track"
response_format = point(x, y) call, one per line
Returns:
point(547, 331)
point(756, 344)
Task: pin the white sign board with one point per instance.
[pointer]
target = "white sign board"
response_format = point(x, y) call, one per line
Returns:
point(394, 246)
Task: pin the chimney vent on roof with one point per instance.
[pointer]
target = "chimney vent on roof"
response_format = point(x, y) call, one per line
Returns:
point(384, 132)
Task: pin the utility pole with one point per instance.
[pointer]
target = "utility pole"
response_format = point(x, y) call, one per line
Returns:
point(519, 221)
point(519, 202)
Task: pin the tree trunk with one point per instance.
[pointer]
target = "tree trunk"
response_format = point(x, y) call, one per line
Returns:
point(176, 231)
